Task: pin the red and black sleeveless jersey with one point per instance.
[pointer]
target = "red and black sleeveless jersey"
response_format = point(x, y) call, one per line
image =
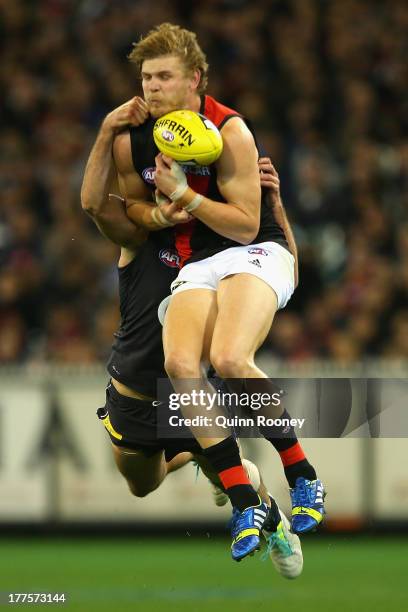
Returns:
point(195, 240)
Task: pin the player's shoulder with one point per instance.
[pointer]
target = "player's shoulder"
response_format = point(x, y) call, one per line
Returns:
point(239, 147)
point(218, 112)
point(127, 140)
point(237, 134)
point(140, 133)
point(230, 122)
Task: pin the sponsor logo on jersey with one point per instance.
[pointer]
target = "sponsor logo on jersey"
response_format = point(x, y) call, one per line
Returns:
point(257, 251)
point(196, 170)
point(148, 174)
point(167, 135)
point(170, 258)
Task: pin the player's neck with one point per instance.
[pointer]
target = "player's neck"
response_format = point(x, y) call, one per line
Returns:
point(194, 103)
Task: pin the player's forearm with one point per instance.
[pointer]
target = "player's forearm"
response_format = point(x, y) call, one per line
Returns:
point(108, 213)
point(146, 215)
point(282, 220)
point(225, 218)
point(99, 173)
point(117, 227)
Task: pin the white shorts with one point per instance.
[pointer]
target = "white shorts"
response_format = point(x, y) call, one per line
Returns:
point(268, 261)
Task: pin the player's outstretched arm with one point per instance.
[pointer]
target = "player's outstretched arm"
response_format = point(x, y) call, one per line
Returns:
point(238, 182)
point(270, 180)
point(109, 213)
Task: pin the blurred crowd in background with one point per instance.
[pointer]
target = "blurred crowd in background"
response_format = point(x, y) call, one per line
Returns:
point(324, 83)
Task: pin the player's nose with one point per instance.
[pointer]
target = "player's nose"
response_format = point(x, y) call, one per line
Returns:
point(154, 85)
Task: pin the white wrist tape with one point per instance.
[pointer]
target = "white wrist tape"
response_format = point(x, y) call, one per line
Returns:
point(178, 192)
point(178, 173)
point(195, 203)
point(160, 219)
point(160, 198)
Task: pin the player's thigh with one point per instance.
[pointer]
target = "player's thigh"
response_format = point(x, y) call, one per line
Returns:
point(246, 309)
point(143, 471)
point(189, 324)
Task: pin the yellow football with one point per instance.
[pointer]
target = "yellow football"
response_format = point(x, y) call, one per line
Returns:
point(188, 137)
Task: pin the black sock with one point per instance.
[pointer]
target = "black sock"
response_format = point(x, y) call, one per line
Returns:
point(281, 437)
point(226, 461)
point(274, 518)
point(285, 441)
point(300, 469)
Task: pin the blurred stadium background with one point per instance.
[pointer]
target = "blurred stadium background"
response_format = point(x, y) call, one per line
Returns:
point(324, 82)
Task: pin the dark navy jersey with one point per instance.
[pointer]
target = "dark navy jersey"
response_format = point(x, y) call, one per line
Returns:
point(137, 353)
point(195, 240)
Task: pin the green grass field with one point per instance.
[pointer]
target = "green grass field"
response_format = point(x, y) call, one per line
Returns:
point(344, 574)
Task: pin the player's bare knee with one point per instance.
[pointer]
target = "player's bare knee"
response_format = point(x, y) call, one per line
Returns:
point(230, 365)
point(180, 366)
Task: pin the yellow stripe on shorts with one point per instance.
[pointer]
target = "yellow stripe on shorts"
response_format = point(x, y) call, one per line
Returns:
point(108, 426)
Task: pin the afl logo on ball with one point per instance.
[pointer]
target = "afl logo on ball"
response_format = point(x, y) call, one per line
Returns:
point(170, 258)
point(148, 175)
point(167, 135)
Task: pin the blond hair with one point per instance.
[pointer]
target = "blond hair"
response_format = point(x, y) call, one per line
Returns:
point(169, 39)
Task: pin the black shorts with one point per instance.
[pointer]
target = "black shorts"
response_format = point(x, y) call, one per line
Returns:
point(132, 423)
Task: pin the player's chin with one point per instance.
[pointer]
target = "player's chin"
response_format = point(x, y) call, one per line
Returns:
point(157, 110)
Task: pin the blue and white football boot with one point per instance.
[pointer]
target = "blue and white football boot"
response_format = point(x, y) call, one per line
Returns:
point(307, 505)
point(245, 530)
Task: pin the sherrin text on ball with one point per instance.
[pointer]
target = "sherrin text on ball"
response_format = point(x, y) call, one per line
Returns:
point(188, 137)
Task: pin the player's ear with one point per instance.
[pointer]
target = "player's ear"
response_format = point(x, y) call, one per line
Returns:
point(195, 79)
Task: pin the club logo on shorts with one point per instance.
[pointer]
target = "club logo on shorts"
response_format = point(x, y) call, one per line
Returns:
point(257, 251)
point(167, 135)
point(169, 258)
point(148, 174)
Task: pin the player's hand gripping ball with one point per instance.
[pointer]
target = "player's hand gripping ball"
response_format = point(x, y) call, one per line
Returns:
point(188, 137)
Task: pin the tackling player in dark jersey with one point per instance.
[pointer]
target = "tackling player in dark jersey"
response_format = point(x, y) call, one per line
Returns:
point(146, 268)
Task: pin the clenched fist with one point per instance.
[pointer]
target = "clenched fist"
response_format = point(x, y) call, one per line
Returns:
point(133, 112)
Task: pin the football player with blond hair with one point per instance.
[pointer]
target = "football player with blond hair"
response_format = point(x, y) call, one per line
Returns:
point(239, 264)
